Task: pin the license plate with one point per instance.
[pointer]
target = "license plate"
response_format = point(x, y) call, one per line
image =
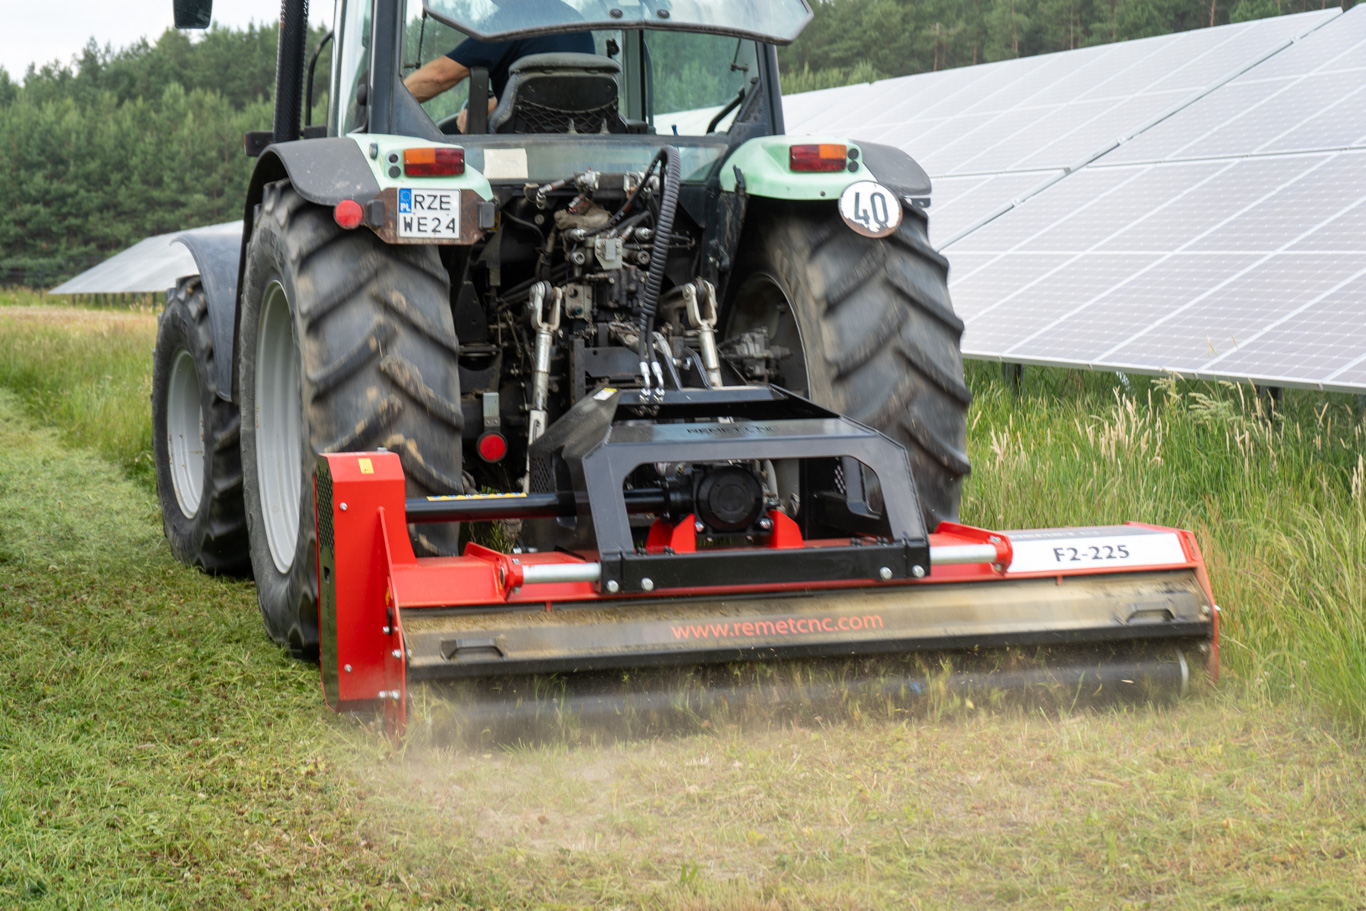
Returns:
point(428, 213)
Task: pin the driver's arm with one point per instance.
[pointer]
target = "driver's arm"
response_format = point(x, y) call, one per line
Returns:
point(437, 75)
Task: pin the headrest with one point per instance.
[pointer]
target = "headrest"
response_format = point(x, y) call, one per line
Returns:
point(548, 62)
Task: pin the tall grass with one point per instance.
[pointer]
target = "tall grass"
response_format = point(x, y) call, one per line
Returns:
point(86, 372)
point(1273, 490)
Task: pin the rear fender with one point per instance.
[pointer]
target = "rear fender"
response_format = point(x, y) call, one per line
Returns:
point(216, 256)
point(762, 163)
point(322, 171)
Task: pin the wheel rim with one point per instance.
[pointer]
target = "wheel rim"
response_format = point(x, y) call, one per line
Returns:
point(761, 303)
point(279, 427)
point(185, 434)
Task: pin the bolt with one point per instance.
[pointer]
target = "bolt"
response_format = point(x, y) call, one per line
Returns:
point(387, 630)
point(918, 571)
point(347, 668)
point(766, 523)
point(394, 694)
point(612, 586)
point(698, 527)
point(343, 507)
point(397, 654)
point(885, 574)
point(994, 539)
point(648, 584)
point(1204, 611)
point(1204, 648)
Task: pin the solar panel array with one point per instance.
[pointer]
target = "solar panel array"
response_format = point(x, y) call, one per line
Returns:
point(1226, 241)
point(150, 265)
point(993, 133)
point(1219, 232)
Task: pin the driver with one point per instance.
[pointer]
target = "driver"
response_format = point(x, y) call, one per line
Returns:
point(444, 73)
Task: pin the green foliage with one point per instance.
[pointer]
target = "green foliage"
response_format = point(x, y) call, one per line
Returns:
point(120, 145)
point(808, 80)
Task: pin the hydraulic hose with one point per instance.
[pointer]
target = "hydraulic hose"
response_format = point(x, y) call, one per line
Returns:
point(659, 255)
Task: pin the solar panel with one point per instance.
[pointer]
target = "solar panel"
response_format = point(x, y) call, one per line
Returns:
point(1225, 240)
point(966, 201)
point(1037, 115)
point(1206, 328)
point(151, 265)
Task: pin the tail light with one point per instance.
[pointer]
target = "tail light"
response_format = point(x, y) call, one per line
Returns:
point(433, 162)
point(823, 157)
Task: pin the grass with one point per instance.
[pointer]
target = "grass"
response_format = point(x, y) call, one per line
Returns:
point(157, 751)
point(85, 371)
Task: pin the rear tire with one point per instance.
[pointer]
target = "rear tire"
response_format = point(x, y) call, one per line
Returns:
point(346, 344)
point(872, 331)
point(198, 465)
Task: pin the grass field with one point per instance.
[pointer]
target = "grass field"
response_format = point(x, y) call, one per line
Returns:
point(156, 750)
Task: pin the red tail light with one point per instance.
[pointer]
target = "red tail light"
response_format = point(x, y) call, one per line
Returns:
point(430, 162)
point(823, 157)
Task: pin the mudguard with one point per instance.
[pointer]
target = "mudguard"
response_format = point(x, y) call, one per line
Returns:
point(896, 170)
point(323, 171)
point(216, 255)
point(762, 163)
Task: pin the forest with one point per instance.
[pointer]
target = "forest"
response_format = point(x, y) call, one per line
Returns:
point(117, 144)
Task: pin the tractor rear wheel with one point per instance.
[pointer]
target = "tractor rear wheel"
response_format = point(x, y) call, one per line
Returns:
point(199, 468)
point(872, 332)
point(346, 344)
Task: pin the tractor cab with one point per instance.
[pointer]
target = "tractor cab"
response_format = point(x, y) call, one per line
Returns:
point(705, 78)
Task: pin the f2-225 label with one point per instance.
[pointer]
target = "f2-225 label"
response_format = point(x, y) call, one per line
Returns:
point(1095, 552)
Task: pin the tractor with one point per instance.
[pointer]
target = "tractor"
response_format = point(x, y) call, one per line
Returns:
point(585, 364)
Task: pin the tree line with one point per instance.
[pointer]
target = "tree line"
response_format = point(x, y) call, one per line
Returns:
point(120, 144)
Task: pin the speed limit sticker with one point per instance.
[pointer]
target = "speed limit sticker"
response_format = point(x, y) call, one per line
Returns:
point(870, 209)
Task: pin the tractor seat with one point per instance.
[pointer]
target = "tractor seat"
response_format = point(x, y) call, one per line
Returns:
point(559, 93)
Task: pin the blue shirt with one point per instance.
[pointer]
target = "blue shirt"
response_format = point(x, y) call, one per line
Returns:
point(499, 56)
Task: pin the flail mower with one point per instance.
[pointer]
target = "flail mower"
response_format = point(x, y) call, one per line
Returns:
point(619, 376)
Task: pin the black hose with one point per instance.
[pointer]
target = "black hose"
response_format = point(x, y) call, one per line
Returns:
point(659, 254)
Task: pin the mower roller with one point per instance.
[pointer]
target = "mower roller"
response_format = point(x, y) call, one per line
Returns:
point(700, 382)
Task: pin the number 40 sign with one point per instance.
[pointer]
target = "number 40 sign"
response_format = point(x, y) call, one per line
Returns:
point(870, 208)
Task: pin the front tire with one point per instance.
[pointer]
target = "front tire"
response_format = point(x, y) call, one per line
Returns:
point(346, 344)
point(198, 465)
point(872, 331)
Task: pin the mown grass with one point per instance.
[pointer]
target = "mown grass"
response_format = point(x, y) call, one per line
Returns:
point(156, 751)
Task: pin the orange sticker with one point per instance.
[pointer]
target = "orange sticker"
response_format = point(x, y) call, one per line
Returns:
point(366, 467)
